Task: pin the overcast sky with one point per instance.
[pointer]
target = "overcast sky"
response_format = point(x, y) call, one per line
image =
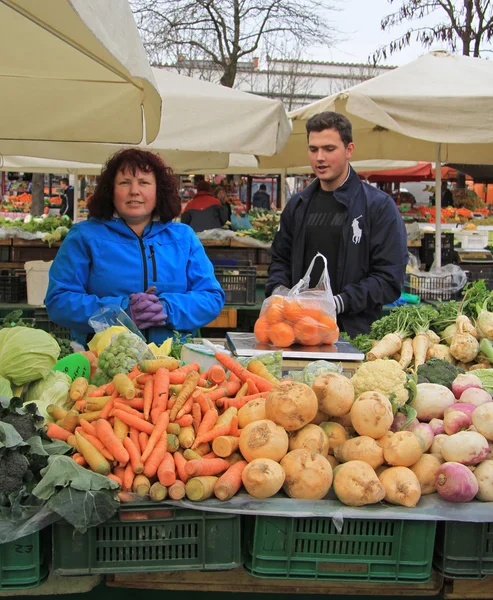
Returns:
point(359, 20)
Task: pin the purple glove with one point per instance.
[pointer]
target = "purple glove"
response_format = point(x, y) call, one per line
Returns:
point(146, 309)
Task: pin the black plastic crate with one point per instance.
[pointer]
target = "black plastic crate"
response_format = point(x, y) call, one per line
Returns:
point(239, 284)
point(427, 256)
point(4, 253)
point(13, 287)
point(428, 241)
point(464, 550)
point(431, 287)
point(241, 253)
point(264, 256)
point(42, 321)
point(480, 271)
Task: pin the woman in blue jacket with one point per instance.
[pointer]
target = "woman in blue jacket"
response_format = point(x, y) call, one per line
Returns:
point(129, 253)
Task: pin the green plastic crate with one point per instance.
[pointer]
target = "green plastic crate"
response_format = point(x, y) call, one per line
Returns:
point(23, 563)
point(166, 540)
point(464, 550)
point(364, 550)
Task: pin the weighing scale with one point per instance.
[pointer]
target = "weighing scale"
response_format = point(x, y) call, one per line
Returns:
point(245, 344)
point(477, 257)
point(478, 264)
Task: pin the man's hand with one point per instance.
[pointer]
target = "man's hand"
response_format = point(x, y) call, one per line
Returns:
point(146, 309)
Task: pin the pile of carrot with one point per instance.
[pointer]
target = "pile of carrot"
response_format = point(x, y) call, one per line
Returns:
point(164, 430)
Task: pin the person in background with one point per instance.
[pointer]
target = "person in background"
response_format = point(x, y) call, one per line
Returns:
point(447, 196)
point(261, 198)
point(67, 206)
point(131, 254)
point(220, 194)
point(357, 227)
point(204, 211)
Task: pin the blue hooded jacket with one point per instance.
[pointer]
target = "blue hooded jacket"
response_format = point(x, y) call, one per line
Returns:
point(102, 262)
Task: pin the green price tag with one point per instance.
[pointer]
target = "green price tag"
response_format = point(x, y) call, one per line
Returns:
point(74, 365)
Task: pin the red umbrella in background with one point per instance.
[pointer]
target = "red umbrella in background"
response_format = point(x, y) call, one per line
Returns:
point(423, 171)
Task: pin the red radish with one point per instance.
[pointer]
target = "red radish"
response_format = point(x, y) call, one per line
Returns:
point(456, 483)
point(437, 426)
point(463, 382)
point(475, 396)
point(424, 432)
point(455, 421)
point(465, 447)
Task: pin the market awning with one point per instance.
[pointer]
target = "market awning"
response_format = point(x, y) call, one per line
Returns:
point(74, 70)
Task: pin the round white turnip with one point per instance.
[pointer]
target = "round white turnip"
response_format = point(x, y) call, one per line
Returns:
point(431, 401)
point(465, 447)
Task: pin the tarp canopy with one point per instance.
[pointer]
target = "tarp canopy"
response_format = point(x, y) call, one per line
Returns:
point(74, 70)
point(422, 171)
point(201, 124)
point(403, 114)
point(29, 164)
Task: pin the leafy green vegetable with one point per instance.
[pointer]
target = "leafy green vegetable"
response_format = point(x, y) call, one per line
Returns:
point(26, 354)
point(403, 317)
point(447, 314)
point(486, 377)
point(362, 342)
point(83, 509)
point(5, 389)
point(9, 437)
point(313, 370)
point(271, 360)
point(178, 342)
point(410, 413)
point(53, 389)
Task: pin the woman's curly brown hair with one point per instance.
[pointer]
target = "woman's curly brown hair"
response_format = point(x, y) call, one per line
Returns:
point(168, 203)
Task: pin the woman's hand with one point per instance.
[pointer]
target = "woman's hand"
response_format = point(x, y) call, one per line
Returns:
point(146, 309)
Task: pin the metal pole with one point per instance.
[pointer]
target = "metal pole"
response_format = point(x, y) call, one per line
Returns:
point(282, 184)
point(438, 207)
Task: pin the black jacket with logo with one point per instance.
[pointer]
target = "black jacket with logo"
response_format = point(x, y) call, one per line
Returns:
point(372, 255)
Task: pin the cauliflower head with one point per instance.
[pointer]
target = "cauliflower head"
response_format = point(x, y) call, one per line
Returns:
point(385, 376)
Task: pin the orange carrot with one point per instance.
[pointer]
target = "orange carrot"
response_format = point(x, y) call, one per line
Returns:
point(180, 462)
point(185, 421)
point(111, 442)
point(90, 416)
point(216, 374)
point(156, 435)
point(242, 391)
point(193, 366)
point(187, 390)
point(128, 409)
point(108, 407)
point(239, 402)
point(134, 421)
point(211, 454)
point(230, 363)
point(177, 490)
point(171, 403)
point(115, 478)
point(79, 459)
point(199, 398)
point(230, 482)
point(55, 432)
point(137, 403)
point(186, 408)
point(100, 391)
point(196, 416)
point(233, 377)
point(134, 436)
point(144, 378)
point(227, 389)
point(119, 472)
point(166, 471)
point(134, 454)
point(98, 444)
point(204, 466)
point(252, 388)
point(226, 417)
point(143, 439)
point(208, 436)
point(208, 421)
point(79, 405)
point(148, 396)
point(234, 431)
point(179, 378)
point(157, 456)
point(128, 478)
point(160, 393)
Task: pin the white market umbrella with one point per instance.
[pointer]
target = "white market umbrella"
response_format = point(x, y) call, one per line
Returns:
point(438, 108)
point(29, 164)
point(74, 70)
point(201, 124)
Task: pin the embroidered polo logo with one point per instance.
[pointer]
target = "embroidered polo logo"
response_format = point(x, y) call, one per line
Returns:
point(357, 231)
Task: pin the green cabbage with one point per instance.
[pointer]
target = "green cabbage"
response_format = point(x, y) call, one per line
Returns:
point(5, 389)
point(26, 354)
point(54, 389)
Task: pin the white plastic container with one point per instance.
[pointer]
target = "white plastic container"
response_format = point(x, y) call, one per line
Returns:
point(472, 240)
point(37, 281)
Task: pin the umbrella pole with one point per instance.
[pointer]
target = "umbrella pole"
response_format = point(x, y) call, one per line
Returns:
point(282, 183)
point(438, 207)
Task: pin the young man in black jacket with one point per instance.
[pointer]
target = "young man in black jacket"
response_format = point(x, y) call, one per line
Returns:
point(357, 227)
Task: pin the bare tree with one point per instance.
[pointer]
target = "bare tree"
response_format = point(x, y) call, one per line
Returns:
point(225, 31)
point(355, 74)
point(467, 24)
point(38, 194)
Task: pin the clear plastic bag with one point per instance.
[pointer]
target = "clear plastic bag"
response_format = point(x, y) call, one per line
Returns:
point(300, 315)
point(113, 316)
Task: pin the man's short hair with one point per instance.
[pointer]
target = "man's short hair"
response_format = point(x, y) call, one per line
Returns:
point(331, 120)
point(262, 187)
point(204, 186)
point(64, 180)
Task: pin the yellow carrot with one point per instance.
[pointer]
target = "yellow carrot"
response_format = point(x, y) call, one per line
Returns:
point(141, 485)
point(56, 412)
point(186, 436)
point(158, 492)
point(78, 388)
point(191, 382)
point(151, 366)
point(121, 429)
point(200, 488)
point(70, 420)
point(225, 445)
point(258, 368)
point(124, 386)
point(94, 458)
